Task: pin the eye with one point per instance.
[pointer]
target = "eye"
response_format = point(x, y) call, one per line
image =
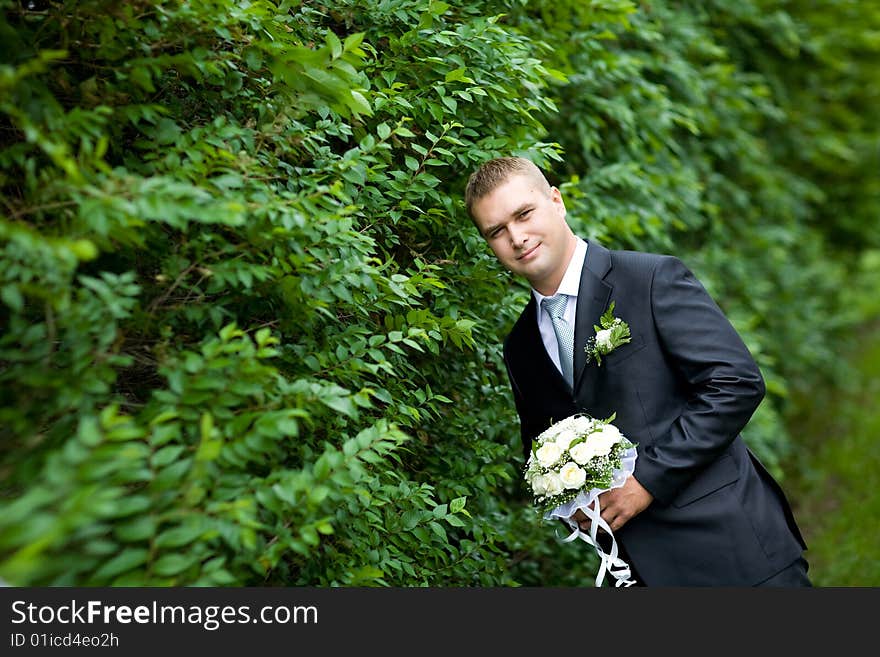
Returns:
point(525, 213)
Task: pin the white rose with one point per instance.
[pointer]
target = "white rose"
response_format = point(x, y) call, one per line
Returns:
point(605, 439)
point(550, 434)
point(583, 424)
point(583, 452)
point(539, 484)
point(547, 454)
point(572, 475)
point(553, 484)
point(563, 440)
point(603, 340)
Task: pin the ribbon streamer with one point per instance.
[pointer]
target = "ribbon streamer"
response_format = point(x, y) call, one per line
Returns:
point(588, 502)
point(609, 562)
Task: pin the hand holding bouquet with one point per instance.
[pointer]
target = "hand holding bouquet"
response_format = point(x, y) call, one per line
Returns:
point(571, 464)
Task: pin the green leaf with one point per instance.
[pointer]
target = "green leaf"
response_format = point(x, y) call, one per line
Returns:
point(140, 75)
point(166, 455)
point(129, 506)
point(455, 74)
point(136, 530)
point(335, 44)
point(167, 132)
point(173, 564)
point(359, 103)
point(410, 519)
point(181, 535)
point(457, 504)
point(353, 41)
point(127, 560)
point(344, 405)
point(12, 297)
point(437, 528)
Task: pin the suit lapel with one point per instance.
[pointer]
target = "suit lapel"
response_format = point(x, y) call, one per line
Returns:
point(529, 347)
point(593, 296)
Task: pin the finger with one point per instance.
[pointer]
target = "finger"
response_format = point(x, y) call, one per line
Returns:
point(614, 519)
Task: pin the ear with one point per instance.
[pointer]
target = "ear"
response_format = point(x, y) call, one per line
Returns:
point(556, 199)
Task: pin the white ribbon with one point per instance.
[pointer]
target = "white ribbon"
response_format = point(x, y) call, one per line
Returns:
point(588, 502)
point(609, 562)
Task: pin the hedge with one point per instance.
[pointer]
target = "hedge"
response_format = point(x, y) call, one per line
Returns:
point(249, 335)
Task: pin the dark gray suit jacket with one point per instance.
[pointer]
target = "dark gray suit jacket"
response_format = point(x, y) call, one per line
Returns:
point(682, 389)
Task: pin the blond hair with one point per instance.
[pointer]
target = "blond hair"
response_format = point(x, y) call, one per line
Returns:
point(495, 172)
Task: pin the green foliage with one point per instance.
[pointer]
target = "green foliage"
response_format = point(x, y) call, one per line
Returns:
point(248, 334)
point(839, 475)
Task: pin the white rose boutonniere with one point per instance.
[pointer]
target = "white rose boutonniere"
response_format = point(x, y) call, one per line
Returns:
point(612, 333)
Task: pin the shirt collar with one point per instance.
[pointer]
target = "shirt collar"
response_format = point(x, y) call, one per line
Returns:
point(571, 280)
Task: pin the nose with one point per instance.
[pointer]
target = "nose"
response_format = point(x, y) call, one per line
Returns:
point(517, 235)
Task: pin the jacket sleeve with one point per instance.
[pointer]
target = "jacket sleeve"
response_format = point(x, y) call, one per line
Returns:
point(724, 384)
point(529, 429)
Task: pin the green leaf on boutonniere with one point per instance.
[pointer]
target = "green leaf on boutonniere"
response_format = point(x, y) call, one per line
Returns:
point(612, 333)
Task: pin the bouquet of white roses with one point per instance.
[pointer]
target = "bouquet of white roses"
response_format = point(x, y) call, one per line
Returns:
point(571, 463)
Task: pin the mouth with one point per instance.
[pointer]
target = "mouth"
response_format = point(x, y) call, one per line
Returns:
point(523, 256)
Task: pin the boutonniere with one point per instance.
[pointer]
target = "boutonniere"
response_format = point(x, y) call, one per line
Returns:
point(612, 333)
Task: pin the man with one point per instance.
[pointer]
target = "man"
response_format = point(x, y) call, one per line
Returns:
point(699, 509)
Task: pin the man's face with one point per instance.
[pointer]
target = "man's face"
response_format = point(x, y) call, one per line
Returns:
point(524, 223)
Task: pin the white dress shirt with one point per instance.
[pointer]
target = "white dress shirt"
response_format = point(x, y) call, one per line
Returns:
point(571, 283)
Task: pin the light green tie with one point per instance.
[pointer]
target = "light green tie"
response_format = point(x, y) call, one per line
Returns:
point(555, 307)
